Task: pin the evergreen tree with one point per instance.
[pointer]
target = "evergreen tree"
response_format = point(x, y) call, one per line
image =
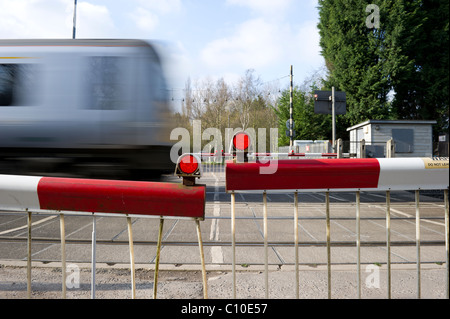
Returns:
point(422, 89)
point(308, 125)
point(352, 54)
point(405, 55)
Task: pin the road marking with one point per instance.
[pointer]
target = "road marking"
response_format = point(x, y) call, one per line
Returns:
point(216, 251)
point(13, 220)
point(214, 233)
point(410, 216)
point(25, 226)
point(307, 232)
point(338, 198)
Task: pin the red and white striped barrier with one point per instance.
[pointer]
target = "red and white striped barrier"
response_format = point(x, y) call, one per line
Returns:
point(81, 196)
point(375, 174)
point(19, 193)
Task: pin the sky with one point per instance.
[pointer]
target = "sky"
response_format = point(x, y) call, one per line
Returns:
point(204, 39)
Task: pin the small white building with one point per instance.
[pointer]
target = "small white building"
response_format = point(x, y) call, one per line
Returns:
point(412, 138)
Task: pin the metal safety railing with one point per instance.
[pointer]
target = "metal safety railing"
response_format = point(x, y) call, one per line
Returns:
point(337, 176)
point(94, 242)
point(70, 196)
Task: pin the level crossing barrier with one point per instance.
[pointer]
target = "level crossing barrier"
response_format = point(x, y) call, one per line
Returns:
point(72, 196)
point(337, 175)
point(212, 162)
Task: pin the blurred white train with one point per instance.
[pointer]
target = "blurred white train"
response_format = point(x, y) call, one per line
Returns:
point(83, 107)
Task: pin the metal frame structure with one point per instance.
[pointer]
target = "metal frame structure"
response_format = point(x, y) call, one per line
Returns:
point(60, 196)
point(325, 175)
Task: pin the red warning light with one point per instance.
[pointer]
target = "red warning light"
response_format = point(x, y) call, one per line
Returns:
point(188, 164)
point(241, 141)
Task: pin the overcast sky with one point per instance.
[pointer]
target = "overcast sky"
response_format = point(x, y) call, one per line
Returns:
point(207, 38)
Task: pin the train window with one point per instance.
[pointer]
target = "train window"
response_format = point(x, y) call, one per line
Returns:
point(17, 84)
point(105, 83)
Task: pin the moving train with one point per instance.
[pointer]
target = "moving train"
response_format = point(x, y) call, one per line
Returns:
point(91, 108)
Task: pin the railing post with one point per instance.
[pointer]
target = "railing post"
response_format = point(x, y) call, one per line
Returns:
point(327, 199)
point(266, 249)
point(418, 243)
point(29, 255)
point(447, 241)
point(93, 257)
point(158, 254)
point(358, 242)
point(388, 241)
point(233, 241)
point(131, 248)
point(63, 254)
point(202, 259)
point(297, 279)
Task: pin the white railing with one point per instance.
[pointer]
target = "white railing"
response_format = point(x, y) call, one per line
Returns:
point(337, 176)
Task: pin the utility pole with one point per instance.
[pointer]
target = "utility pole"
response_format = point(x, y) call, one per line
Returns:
point(291, 110)
point(333, 116)
point(74, 20)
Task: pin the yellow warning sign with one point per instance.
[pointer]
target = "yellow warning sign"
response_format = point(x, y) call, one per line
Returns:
point(436, 162)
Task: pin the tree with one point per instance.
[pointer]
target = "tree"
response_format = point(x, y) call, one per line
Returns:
point(352, 56)
point(220, 105)
point(406, 56)
point(422, 90)
point(308, 125)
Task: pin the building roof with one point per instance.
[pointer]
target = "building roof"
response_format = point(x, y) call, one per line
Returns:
point(396, 122)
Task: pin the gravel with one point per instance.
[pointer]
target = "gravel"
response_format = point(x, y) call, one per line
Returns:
point(185, 282)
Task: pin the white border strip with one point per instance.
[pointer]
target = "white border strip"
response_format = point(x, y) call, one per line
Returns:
point(19, 192)
point(410, 174)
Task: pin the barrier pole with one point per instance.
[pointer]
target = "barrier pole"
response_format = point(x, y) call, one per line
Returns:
point(29, 256)
point(327, 199)
point(94, 257)
point(131, 247)
point(418, 243)
point(447, 239)
point(63, 253)
point(358, 242)
point(388, 241)
point(158, 253)
point(202, 258)
point(266, 250)
point(233, 241)
point(297, 278)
